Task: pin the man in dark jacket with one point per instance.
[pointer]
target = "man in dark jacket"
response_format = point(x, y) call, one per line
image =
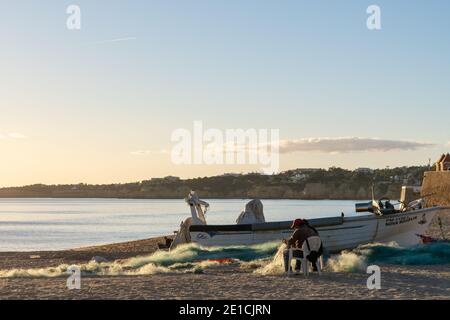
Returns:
point(302, 231)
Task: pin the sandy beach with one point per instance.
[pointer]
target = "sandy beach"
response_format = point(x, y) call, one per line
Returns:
point(217, 281)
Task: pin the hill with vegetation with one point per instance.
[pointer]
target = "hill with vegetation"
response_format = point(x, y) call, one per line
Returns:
point(332, 183)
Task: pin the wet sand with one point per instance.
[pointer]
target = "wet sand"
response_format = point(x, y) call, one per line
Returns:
point(216, 282)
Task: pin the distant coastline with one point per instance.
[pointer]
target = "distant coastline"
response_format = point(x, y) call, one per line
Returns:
point(303, 184)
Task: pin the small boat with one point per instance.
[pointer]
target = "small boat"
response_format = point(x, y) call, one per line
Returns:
point(382, 223)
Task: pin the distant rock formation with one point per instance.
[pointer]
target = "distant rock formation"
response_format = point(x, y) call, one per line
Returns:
point(309, 184)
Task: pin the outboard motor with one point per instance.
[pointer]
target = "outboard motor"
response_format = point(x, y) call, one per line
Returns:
point(197, 218)
point(371, 207)
point(197, 213)
point(254, 213)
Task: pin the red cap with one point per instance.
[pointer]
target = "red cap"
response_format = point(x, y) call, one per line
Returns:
point(297, 223)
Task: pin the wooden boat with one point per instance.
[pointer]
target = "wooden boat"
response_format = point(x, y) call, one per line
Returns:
point(337, 233)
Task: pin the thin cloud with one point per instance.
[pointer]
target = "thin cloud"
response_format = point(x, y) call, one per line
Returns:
point(349, 144)
point(329, 145)
point(115, 40)
point(12, 135)
point(147, 152)
point(16, 135)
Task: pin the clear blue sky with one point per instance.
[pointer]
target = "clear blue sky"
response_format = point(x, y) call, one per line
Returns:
point(84, 103)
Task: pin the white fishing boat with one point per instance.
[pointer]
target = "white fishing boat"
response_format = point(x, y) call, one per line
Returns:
point(381, 222)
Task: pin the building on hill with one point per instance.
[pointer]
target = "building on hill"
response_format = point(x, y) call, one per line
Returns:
point(165, 179)
point(364, 170)
point(443, 164)
point(298, 177)
point(172, 178)
point(231, 174)
point(309, 170)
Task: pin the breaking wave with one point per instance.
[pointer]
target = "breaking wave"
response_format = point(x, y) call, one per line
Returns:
point(189, 258)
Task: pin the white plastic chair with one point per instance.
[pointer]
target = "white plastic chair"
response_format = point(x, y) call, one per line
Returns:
point(314, 241)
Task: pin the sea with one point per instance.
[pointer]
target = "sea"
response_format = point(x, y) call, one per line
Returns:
point(31, 224)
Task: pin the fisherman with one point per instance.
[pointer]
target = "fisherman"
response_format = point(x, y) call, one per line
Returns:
point(302, 231)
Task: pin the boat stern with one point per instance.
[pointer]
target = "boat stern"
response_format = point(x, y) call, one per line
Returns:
point(404, 228)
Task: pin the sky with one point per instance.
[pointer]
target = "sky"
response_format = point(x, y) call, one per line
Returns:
point(100, 104)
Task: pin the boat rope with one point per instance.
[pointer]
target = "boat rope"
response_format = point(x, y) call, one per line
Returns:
point(376, 230)
point(442, 228)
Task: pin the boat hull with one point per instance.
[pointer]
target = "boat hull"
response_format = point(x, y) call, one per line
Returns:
point(337, 233)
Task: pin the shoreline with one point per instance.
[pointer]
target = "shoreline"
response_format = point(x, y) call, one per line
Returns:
point(205, 198)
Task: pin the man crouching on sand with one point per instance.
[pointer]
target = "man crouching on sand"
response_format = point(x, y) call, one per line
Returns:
point(302, 231)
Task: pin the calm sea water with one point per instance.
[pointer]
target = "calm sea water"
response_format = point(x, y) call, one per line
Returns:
point(53, 224)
